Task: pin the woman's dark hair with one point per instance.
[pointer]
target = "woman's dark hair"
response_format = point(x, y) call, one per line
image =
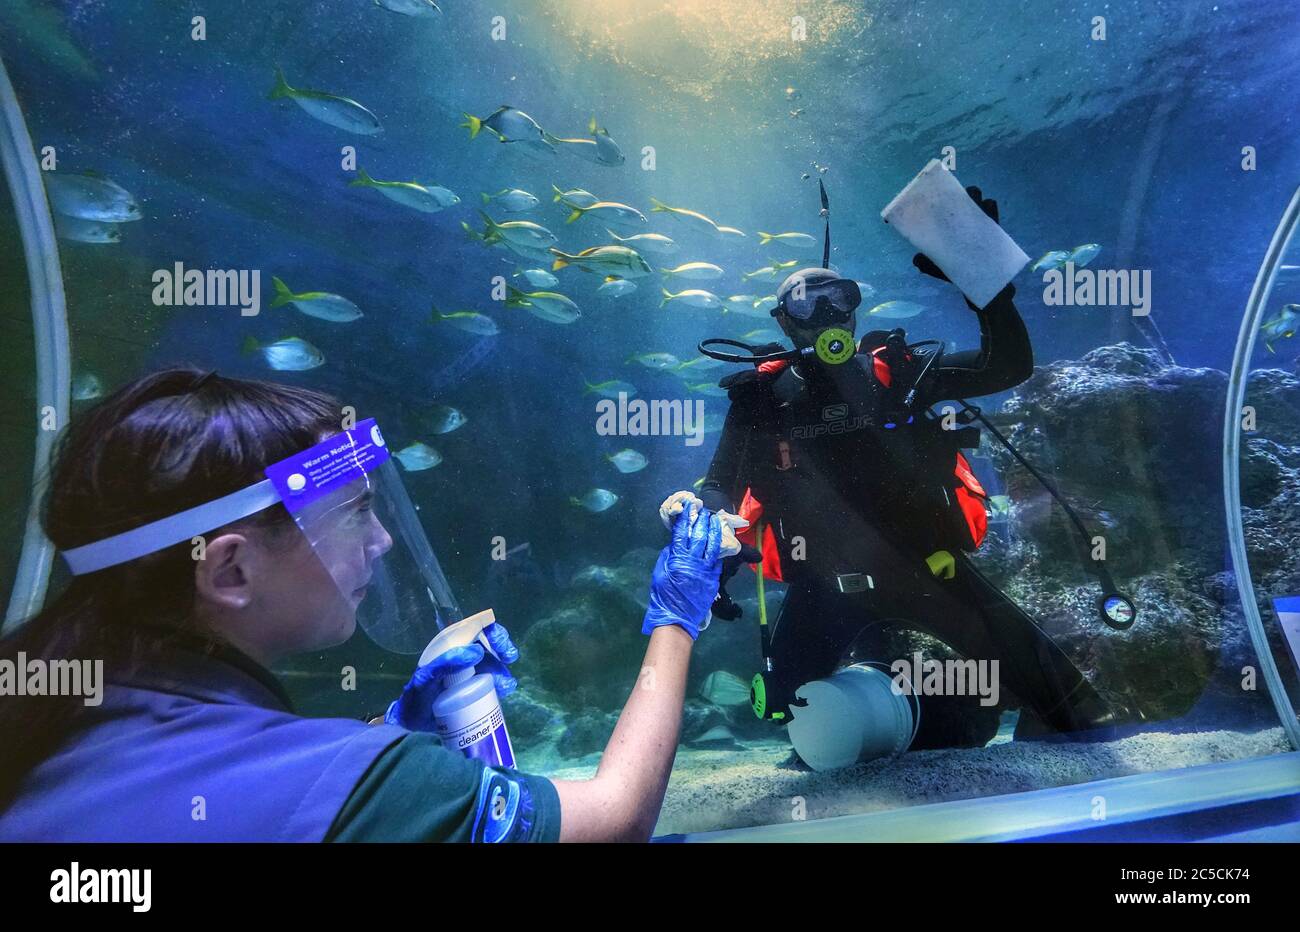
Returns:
point(160, 445)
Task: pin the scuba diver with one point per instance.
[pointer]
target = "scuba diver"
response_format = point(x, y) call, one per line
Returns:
point(189, 736)
point(859, 497)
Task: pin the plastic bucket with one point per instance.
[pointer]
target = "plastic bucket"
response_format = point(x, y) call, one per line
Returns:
point(851, 716)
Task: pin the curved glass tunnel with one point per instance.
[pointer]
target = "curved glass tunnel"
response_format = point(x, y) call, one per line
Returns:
point(1123, 414)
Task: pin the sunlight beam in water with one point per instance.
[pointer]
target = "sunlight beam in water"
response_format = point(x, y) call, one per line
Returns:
point(689, 41)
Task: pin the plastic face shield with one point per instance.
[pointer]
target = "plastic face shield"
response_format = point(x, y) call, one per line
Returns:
point(347, 498)
point(365, 544)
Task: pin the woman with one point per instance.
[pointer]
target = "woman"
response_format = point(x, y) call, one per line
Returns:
point(195, 740)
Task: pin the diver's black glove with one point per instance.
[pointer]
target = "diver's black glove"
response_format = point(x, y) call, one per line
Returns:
point(716, 500)
point(926, 265)
point(723, 606)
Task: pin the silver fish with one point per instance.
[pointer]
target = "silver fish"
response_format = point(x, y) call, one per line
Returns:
point(691, 217)
point(319, 304)
point(695, 297)
point(428, 199)
point(611, 388)
point(418, 456)
point(547, 305)
point(608, 212)
point(577, 196)
point(896, 310)
point(340, 112)
point(469, 321)
point(610, 153)
point(513, 200)
point(443, 419)
point(1082, 255)
point(291, 354)
point(90, 197)
point(744, 304)
point(538, 278)
point(516, 232)
point(76, 230)
point(410, 7)
point(656, 360)
point(1049, 261)
point(600, 149)
point(695, 271)
point(596, 500)
point(618, 261)
point(628, 461)
point(86, 387)
point(510, 125)
point(616, 288)
point(712, 389)
point(795, 240)
point(655, 243)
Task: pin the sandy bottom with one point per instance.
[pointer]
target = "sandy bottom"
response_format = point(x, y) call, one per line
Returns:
point(735, 788)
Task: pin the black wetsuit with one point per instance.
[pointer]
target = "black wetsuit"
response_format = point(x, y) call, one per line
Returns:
point(851, 489)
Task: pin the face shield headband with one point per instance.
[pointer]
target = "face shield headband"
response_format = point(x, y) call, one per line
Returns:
point(347, 498)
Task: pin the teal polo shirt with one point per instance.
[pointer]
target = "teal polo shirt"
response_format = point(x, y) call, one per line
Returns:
point(420, 791)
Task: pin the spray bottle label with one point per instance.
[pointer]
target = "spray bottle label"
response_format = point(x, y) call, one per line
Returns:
point(478, 731)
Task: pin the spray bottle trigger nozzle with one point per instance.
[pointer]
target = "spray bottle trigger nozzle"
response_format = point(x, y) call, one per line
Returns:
point(461, 634)
point(488, 650)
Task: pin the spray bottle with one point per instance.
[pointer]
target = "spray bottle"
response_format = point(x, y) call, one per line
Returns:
point(467, 714)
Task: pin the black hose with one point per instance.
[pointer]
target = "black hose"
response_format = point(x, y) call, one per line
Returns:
point(1094, 565)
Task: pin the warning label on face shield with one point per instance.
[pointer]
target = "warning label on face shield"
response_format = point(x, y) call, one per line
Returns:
point(303, 478)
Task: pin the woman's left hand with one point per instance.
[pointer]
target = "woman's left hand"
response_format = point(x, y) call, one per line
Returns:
point(413, 710)
point(685, 579)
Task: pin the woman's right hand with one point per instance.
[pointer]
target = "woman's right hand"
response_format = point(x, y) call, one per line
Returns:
point(685, 579)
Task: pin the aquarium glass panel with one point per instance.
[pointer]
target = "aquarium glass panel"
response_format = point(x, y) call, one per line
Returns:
point(503, 231)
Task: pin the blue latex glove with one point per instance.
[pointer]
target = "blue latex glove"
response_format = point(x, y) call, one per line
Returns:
point(685, 580)
point(413, 710)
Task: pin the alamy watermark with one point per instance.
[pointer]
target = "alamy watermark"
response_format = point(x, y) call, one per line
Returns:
point(1078, 287)
point(930, 677)
point(660, 417)
point(40, 677)
point(79, 884)
point(182, 287)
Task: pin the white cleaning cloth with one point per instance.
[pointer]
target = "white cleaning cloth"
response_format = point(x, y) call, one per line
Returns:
point(675, 503)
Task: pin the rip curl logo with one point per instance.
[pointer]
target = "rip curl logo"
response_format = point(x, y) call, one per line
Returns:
point(835, 420)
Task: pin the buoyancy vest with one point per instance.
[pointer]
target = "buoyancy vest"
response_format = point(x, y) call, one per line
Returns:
point(842, 473)
point(194, 749)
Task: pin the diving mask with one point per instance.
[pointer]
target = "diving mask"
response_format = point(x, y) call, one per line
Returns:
point(819, 304)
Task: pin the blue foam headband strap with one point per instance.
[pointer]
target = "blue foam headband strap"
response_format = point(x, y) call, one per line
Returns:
point(166, 532)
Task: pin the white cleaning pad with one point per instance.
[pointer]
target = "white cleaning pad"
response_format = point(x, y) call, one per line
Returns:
point(936, 215)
